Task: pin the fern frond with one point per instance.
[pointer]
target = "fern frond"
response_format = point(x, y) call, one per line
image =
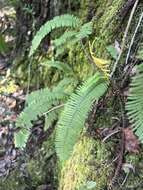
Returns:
point(102, 64)
point(50, 118)
point(64, 38)
point(57, 22)
point(76, 110)
point(85, 31)
point(38, 103)
point(59, 65)
point(46, 92)
point(21, 137)
point(35, 109)
point(134, 105)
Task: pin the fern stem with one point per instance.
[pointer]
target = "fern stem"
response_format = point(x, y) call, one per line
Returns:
point(54, 108)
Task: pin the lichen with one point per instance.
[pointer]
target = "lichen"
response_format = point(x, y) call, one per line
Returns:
point(89, 162)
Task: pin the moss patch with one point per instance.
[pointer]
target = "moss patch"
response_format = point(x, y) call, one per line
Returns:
point(89, 162)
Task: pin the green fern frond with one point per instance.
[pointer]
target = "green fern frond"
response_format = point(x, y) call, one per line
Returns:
point(134, 105)
point(21, 137)
point(50, 118)
point(85, 31)
point(38, 107)
point(38, 103)
point(57, 22)
point(76, 110)
point(46, 92)
point(58, 65)
point(68, 35)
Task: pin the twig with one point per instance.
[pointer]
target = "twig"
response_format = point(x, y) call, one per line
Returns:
point(124, 38)
point(124, 181)
point(134, 35)
point(29, 76)
point(120, 161)
point(54, 108)
point(111, 134)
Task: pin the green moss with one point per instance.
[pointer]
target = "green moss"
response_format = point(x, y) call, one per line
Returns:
point(89, 162)
point(106, 23)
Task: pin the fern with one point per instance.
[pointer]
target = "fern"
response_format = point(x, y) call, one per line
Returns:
point(75, 113)
point(134, 105)
point(21, 137)
point(50, 118)
point(38, 103)
point(57, 22)
point(85, 31)
point(59, 65)
point(68, 35)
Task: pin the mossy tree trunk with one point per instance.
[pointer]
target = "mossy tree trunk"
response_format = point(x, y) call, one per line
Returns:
point(111, 18)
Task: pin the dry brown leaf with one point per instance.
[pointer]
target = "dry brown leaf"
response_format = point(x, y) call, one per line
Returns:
point(131, 141)
point(11, 103)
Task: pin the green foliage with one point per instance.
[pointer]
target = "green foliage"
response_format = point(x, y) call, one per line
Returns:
point(58, 65)
point(85, 31)
point(76, 111)
point(50, 118)
point(113, 52)
point(57, 22)
point(38, 103)
point(3, 45)
point(76, 31)
point(134, 105)
point(89, 185)
point(68, 35)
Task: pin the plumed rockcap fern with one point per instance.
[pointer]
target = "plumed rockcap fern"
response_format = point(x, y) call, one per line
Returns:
point(57, 22)
point(134, 105)
point(76, 111)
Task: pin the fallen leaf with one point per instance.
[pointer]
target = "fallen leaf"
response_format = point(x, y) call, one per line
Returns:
point(131, 141)
point(11, 103)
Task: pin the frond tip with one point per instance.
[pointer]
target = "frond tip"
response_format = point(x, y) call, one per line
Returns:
point(76, 111)
point(134, 105)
